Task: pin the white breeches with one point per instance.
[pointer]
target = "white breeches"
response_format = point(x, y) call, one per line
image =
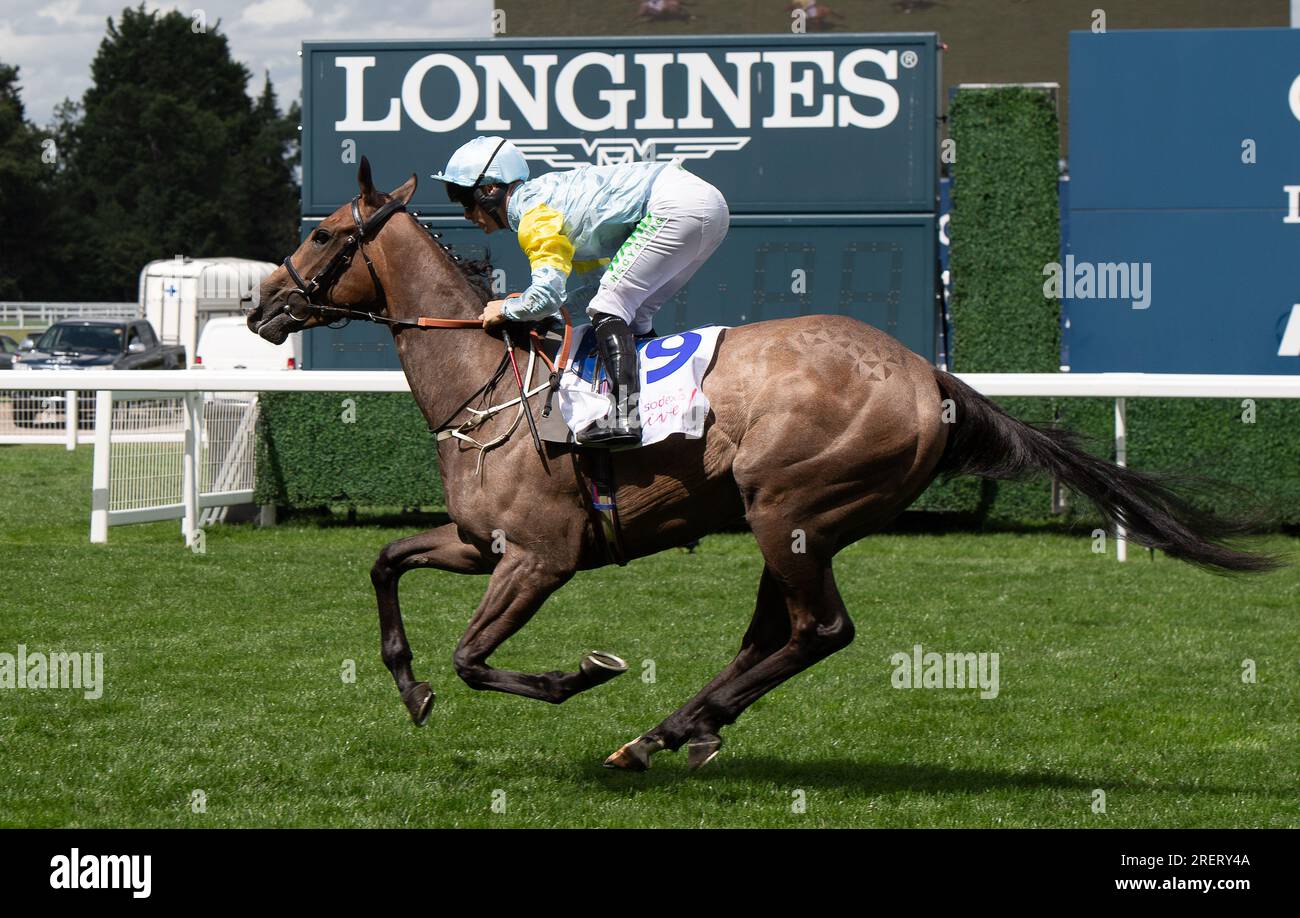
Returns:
point(686, 220)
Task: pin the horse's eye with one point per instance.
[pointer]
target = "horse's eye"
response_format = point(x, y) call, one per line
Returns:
point(320, 237)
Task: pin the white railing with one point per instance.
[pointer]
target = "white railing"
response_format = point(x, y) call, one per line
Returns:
point(1090, 385)
point(1117, 386)
point(27, 314)
point(46, 416)
point(155, 448)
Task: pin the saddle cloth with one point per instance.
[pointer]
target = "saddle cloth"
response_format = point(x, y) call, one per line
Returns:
point(672, 369)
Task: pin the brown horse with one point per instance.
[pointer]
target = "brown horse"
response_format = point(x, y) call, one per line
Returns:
point(820, 17)
point(663, 10)
point(821, 430)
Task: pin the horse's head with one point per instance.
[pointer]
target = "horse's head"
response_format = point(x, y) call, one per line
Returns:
point(323, 276)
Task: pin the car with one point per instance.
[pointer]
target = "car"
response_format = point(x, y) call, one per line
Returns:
point(116, 344)
point(8, 347)
point(86, 344)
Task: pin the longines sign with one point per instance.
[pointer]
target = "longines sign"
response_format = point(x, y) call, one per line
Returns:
point(782, 124)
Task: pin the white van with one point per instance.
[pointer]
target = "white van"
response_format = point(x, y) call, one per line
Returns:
point(226, 344)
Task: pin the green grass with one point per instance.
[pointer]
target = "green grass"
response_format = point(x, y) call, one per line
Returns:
point(223, 674)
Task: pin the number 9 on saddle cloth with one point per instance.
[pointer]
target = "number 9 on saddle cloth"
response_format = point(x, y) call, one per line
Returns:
point(672, 400)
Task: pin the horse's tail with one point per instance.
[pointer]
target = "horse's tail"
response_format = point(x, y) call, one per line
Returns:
point(984, 440)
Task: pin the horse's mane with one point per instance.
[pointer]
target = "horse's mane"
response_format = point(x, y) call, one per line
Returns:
point(477, 271)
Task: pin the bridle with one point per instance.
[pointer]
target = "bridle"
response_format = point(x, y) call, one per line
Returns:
point(324, 280)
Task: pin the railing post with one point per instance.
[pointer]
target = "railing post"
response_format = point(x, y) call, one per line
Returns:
point(190, 464)
point(1121, 459)
point(70, 419)
point(99, 479)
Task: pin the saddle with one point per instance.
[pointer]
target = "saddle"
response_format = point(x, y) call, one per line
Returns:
point(552, 338)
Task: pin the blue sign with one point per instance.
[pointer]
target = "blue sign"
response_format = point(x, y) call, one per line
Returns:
point(793, 123)
point(825, 147)
point(1184, 204)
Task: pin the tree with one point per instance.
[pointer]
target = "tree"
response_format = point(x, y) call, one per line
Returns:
point(170, 155)
point(267, 193)
point(27, 176)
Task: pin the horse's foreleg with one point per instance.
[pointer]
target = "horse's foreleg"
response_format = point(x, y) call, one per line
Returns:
point(519, 586)
point(768, 631)
point(439, 548)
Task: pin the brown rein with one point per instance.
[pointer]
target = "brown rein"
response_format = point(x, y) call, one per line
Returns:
point(323, 281)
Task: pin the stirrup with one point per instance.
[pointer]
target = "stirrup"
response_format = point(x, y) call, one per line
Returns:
point(608, 437)
point(601, 433)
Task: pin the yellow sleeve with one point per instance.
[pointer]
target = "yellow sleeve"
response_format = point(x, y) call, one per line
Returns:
point(541, 236)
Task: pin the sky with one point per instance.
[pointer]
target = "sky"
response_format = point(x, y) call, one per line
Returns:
point(53, 41)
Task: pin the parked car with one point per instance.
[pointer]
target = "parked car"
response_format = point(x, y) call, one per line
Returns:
point(226, 344)
point(8, 347)
point(85, 344)
point(114, 344)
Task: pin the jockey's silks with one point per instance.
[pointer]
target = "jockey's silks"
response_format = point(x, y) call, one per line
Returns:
point(571, 222)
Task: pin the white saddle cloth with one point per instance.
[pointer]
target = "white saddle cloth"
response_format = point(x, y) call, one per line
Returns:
point(672, 369)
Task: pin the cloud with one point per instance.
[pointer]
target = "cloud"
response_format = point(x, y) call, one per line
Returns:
point(54, 42)
point(275, 12)
point(66, 13)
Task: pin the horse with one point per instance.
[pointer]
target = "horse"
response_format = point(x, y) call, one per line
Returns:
point(821, 430)
point(820, 16)
point(663, 10)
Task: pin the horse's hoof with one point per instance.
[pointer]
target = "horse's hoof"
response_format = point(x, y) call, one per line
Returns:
point(702, 750)
point(634, 756)
point(419, 702)
point(600, 667)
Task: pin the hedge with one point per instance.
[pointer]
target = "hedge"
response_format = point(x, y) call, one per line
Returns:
point(1005, 226)
point(319, 448)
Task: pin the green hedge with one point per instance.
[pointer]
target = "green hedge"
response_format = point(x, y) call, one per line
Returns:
point(1207, 438)
point(1005, 226)
point(371, 449)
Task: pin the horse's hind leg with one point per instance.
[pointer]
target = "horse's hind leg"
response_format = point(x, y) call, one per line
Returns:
point(768, 631)
point(439, 548)
point(817, 625)
point(519, 586)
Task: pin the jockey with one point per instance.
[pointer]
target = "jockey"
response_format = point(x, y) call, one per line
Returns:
point(630, 234)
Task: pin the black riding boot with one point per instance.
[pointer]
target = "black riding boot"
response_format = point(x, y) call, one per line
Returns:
point(622, 426)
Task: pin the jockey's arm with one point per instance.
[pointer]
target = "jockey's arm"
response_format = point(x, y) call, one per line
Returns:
point(550, 255)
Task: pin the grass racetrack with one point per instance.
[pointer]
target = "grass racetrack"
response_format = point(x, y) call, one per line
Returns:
point(223, 675)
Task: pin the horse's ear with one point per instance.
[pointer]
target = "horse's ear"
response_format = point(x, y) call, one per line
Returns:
point(364, 180)
point(405, 191)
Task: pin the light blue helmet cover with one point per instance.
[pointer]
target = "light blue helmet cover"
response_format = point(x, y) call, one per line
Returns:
point(467, 163)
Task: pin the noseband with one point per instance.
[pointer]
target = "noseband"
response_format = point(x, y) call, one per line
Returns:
point(328, 275)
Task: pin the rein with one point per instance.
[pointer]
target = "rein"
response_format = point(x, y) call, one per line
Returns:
point(323, 282)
